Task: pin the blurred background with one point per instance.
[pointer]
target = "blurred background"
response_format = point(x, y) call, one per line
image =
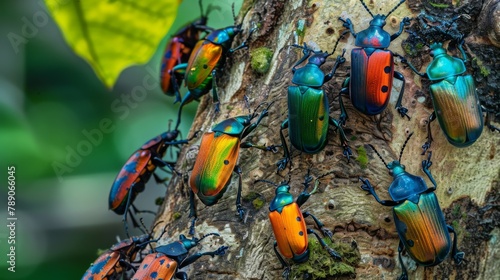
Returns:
point(50, 102)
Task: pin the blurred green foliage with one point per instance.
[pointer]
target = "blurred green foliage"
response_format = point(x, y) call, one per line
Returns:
point(53, 110)
point(112, 35)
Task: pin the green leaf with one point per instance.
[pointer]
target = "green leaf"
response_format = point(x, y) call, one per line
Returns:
point(113, 34)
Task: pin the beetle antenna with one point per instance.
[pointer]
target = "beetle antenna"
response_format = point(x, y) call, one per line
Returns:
point(207, 235)
point(143, 229)
point(338, 40)
point(375, 150)
point(393, 9)
point(234, 14)
point(266, 181)
point(366, 8)
point(201, 7)
point(404, 145)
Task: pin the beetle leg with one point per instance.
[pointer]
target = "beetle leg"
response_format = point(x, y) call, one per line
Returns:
point(127, 265)
point(332, 252)
point(271, 148)
point(284, 264)
point(404, 273)
point(181, 275)
point(426, 164)
point(304, 196)
point(240, 209)
point(161, 163)
point(244, 45)
point(405, 61)
point(401, 109)
point(177, 70)
point(319, 224)
point(367, 186)
point(191, 259)
point(215, 96)
point(427, 143)
point(348, 24)
point(136, 211)
point(192, 211)
point(458, 256)
point(306, 51)
point(343, 113)
point(487, 121)
point(340, 60)
point(343, 139)
point(405, 21)
point(282, 163)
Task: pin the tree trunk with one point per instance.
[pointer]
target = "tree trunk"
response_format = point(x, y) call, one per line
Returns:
point(364, 232)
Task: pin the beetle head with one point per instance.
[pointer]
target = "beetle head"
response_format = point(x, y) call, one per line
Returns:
point(319, 58)
point(395, 168)
point(283, 188)
point(437, 49)
point(378, 21)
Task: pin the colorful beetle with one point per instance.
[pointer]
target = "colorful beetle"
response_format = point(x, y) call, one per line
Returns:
point(454, 97)
point(308, 108)
point(207, 56)
point(138, 170)
point(372, 68)
point(289, 226)
point(218, 157)
point(168, 259)
point(115, 261)
point(178, 51)
point(420, 223)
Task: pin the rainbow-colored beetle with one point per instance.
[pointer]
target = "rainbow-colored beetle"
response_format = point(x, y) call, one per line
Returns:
point(420, 223)
point(178, 51)
point(218, 158)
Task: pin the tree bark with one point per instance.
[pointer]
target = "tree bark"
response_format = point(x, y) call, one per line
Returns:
point(364, 232)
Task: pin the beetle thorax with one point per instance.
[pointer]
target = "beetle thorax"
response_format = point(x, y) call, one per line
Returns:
point(378, 21)
point(437, 50)
point(374, 36)
point(282, 198)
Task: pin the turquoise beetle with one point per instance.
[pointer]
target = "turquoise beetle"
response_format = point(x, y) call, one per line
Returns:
point(289, 226)
point(308, 109)
point(419, 220)
point(453, 93)
point(218, 158)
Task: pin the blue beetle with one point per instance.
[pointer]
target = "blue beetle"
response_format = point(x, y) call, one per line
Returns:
point(372, 68)
point(308, 109)
point(419, 220)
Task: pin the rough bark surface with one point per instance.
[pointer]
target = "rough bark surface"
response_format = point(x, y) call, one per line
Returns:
point(468, 178)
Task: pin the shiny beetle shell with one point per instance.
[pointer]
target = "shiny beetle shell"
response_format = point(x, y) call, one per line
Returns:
point(308, 116)
point(156, 266)
point(371, 80)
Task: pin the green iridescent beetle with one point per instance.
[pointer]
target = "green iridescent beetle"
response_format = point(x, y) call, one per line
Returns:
point(308, 109)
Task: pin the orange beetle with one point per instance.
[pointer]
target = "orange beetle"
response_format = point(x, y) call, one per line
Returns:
point(289, 226)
